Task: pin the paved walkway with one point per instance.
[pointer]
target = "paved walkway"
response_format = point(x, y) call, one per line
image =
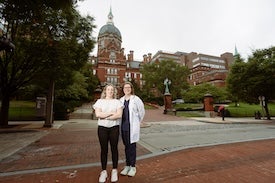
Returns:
point(69, 152)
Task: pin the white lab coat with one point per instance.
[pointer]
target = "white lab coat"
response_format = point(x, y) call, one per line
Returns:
point(136, 115)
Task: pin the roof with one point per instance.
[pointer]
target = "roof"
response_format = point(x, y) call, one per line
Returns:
point(135, 64)
point(109, 29)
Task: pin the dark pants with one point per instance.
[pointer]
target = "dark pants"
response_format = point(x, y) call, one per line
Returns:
point(106, 135)
point(130, 149)
point(223, 114)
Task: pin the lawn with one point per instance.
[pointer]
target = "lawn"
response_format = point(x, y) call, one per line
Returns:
point(26, 110)
point(22, 110)
point(191, 113)
point(242, 110)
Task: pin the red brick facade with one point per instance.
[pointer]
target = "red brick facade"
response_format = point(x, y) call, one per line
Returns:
point(111, 65)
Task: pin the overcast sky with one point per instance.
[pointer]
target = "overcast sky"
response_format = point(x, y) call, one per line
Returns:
point(204, 26)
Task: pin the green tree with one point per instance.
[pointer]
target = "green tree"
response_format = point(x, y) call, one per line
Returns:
point(255, 78)
point(68, 52)
point(196, 93)
point(51, 40)
point(77, 90)
point(91, 80)
point(235, 80)
point(68, 96)
point(154, 75)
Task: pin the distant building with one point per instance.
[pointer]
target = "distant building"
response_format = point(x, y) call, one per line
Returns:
point(208, 68)
point(204, 68)
point(177, 57)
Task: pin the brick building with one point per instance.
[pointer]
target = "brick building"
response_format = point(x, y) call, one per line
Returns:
point(204, 68)
point(111, 65)
point(208, 68)
point(178, 57)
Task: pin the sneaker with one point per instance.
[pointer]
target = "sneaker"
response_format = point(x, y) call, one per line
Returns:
point(114, 176)
point(132, 172)
point(103, 176)
point(125, 170)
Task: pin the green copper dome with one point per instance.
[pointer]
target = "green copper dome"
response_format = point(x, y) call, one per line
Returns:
point(110, 28)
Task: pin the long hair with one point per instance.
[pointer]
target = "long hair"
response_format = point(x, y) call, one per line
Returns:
point(131, 85)
point(103, 94)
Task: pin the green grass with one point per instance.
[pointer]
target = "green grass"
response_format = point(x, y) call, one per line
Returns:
point(188, 105)
point(22, 110)
point(25, 110)
point(248, 110)
point(242, 110)
point(17, 104)
point(190, 113)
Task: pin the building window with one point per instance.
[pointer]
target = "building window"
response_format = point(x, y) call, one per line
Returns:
point(111, 71)
point(196, 59)
point(127, 74)
point(113, 80)
point(101, 44)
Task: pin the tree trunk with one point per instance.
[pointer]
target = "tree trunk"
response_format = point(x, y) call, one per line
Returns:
point(49, 106)
point(4, 115)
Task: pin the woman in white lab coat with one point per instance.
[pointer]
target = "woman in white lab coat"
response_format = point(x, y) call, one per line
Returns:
point(132, 116)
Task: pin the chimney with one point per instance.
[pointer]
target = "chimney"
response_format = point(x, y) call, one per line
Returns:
point(145, 58)
point(131, 56)
point(149, 57)
point(122, 51)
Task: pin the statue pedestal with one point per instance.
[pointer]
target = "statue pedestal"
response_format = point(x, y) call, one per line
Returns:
point(208, 106)
point(167, 103)
point(208, 102)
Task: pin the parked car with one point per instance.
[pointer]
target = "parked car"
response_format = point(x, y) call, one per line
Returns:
point(178, 101)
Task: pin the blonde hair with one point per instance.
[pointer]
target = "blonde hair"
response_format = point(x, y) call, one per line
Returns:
point(103, 94)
